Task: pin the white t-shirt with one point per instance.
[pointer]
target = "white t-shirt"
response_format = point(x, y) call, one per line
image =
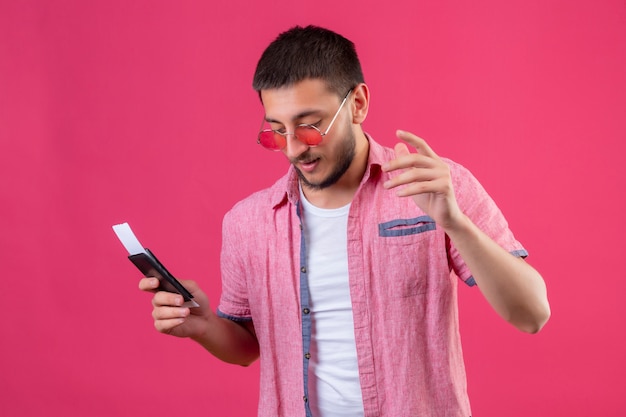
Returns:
point(334, 387)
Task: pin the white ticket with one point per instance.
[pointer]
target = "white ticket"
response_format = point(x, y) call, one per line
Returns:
point(128, 239)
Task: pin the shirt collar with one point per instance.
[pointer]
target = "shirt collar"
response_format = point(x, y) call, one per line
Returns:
point(287, 187)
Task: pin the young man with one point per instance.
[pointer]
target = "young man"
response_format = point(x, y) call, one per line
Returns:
point(343, 275)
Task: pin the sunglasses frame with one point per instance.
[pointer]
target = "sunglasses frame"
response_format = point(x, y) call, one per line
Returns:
point(303, 125)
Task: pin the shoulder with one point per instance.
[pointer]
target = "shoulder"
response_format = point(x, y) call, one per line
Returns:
point(461, 176)
point(469, 192)
point(260, 203)
point(456, 168)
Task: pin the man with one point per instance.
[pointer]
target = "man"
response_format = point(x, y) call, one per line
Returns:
point(342, 276)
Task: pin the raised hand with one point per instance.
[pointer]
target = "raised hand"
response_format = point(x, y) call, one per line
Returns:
point(424, 177)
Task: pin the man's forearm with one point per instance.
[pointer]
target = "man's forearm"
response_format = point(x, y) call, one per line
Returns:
point(512, 287)
point(230, 341)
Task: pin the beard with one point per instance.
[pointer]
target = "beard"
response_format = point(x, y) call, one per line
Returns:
point(346, 151)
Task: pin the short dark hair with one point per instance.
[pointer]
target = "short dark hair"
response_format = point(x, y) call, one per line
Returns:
point(311, 52)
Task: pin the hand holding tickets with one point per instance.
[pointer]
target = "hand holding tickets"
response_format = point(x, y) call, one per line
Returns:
point(149, 265)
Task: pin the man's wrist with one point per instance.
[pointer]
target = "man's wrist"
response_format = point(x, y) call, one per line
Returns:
point(461, 227)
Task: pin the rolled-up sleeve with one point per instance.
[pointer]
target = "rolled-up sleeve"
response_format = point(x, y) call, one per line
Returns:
point(234, 303)
point(484, 213)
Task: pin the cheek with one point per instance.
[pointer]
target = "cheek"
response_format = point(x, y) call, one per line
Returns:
point(342, 141)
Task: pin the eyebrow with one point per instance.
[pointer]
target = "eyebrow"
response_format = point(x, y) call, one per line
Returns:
point(300, 115)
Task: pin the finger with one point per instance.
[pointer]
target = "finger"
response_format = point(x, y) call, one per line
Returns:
point(168, 313)
point(422, 187)
point(166, 326)
point(403, 158)
point(424, 158)
point(148, 284)
point(417, 142)
point(164, 298)
point(411, 176)
point(410, 160)
point(401, 150)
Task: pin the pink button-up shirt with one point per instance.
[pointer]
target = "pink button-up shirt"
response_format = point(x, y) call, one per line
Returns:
point(403, 274)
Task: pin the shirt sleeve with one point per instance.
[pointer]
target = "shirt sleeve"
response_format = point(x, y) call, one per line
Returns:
point(234, 303)
point(483, 211)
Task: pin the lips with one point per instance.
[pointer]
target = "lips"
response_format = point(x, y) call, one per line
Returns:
point(308, 165)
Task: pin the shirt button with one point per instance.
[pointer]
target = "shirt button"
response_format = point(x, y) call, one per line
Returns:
point(308, 356)
point(306, 310)
point(303, 269)
point(305, 398)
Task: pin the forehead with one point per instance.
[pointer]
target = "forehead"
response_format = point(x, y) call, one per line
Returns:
point(305, 97)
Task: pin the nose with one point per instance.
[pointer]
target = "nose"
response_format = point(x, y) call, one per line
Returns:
point(294, 147)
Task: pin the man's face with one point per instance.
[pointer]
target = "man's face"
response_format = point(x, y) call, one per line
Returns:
point(310, 102)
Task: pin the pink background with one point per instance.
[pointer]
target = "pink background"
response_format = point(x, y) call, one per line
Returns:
point(142, 111)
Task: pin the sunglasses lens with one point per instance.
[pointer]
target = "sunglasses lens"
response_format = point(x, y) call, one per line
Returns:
point(275, 141)
point(308, 135)
point(271, 140)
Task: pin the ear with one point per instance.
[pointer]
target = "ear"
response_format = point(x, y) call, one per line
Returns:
point(361, 101)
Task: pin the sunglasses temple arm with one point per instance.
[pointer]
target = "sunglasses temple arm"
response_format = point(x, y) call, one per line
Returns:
point(337, 114)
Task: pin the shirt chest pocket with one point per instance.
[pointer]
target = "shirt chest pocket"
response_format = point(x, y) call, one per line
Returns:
point(409, 250)
point(400, 231)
